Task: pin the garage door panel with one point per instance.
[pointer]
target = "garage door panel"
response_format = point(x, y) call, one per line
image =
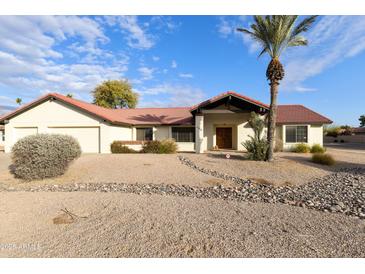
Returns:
point(88, 137)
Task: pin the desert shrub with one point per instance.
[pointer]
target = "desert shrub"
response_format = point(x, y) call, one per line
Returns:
point(316, 148)
point(151, 147)
point(257, 145)
point(301, 148)
point(166, 146)
point(119, 147)
point(323, 159)
point(43, 155)
point(278, 145)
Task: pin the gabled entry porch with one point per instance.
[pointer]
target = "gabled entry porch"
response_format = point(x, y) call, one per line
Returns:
point(222, 122)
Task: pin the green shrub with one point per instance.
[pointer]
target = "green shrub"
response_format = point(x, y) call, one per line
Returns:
point(43, 155)
point(166, 146)
point(323, 159)
point(257, 145)
point(119, 147)
point(301, 148)
point(151, 147)
point(316, 148)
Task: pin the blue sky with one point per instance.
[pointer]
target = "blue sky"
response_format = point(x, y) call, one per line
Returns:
point(180, 60)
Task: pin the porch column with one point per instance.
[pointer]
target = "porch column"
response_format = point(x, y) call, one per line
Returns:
point(199, 133)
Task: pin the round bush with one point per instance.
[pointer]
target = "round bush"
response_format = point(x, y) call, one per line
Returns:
point(166, 146)
point(43, 155)
point(120, 147)
point(301, 148)
point(323, 159)
point(317, 149)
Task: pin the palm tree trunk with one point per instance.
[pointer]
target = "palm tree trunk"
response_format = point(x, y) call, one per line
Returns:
point(274, 87)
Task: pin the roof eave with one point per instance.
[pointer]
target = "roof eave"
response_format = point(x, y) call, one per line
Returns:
point(209, 101)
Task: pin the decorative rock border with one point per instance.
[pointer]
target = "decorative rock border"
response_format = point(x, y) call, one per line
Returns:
point(213, 173)
point(342, 191)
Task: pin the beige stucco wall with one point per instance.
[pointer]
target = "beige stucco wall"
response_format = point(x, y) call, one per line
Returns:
point(50, 115)
point(110, 133)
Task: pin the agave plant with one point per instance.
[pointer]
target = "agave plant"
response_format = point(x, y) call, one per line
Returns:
point(275, 34)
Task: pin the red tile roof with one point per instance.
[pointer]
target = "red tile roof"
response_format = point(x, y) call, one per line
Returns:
point(287, 114)
point(298, 114)
point(138, 116)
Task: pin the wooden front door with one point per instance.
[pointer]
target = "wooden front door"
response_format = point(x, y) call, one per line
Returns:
point(224, 137)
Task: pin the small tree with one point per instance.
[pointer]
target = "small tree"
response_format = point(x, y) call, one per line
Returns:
point(346, 130)
point(362, 121)
point(69, 95)
point(18, 101)
point(257, 146)
point(115, 94)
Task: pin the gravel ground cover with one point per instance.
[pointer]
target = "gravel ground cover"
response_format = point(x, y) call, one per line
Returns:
point(342, 192)
point(129, 225)
point(288, 168)
point(127, 168)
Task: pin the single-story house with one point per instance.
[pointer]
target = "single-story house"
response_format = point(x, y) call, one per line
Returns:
point(220, 122)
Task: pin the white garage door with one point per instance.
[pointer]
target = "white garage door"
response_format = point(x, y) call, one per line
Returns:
point(88, 137)
point(21, 132)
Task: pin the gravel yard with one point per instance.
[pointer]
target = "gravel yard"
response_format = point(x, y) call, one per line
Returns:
point(121, 168)
point(284, 170)
point(129, 225)
point(287, 169)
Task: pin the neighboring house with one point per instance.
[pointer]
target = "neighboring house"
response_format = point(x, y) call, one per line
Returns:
point(221, 121)
point(359, 130)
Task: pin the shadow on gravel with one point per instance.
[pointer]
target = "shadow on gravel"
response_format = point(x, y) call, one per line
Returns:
point(223, 156)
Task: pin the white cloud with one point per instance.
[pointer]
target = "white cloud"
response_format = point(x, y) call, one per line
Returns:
point(173, 64)
point(147, 73)
point(332, 40)
point(171, 94)
point(186, 75)
point(227, 29)
point(134, 33)
point(32, 61)
point(164, 23)
point(155, 58)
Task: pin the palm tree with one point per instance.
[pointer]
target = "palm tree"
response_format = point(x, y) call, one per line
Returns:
point(275, 33)
point(18, 101)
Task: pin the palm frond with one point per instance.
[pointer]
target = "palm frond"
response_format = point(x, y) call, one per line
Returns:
point(297, 41)
point(277, 32)
point(304, 25)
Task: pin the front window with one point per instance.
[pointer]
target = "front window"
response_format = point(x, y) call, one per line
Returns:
point(296, 134)
point(183, 134)
point(144, 134)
